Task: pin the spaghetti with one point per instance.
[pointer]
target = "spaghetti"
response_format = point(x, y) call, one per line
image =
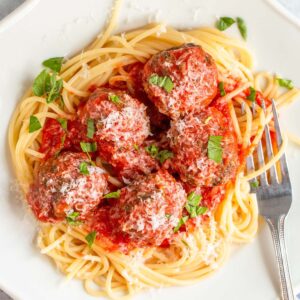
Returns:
point(190, 256)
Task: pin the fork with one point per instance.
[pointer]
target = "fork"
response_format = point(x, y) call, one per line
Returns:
point(274, 199)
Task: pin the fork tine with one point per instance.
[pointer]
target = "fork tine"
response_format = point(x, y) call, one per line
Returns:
point(273, 172)
point(283, 163)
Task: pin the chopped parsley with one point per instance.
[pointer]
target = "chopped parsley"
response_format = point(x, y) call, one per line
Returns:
point(136, 147)
point(90, 128)
point(214, 148)
point(63, 123)
point(192, 206)
point(34, 124)
point(113, 195)
point(114, 98)
point(47, 84)
point(163, 155)
point(181, 222)
point(287, 83)
point(72, 218)
point(152, 150)
point(54, 63)
point(88, 147)
point(90, 238)
point(168, 216)
point(242, 27)
point(221, 88)
point(83, 168)
point(160, 155)
point(39, 84)
point(252, 95)
point(53, 88)
point(224, 22)
point(164, 82)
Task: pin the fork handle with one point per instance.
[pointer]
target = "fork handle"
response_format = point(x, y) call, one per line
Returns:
point(276, 225)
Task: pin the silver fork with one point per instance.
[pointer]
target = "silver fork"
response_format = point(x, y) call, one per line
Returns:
point(274, 201)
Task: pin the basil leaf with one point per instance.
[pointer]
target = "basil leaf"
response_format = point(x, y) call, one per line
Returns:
point(242, 27)
point(181, 222)
point(34, 124)
point(221, 89)
point(252, 95)
point(152, 150)
point(72, 218)
point(63, 123)
point(114, 98)
point(164, 82)
point(201, 210)
point(54, 63)
point(287, 83)
point(90, 128)
point(113, 195)
point(83, 168)
point(194, 199)
point(163, 155)
point(39, 84)
point(55, 87)
point(224, 23)
point(214, 148)
point(90, 238)
point(88, 147)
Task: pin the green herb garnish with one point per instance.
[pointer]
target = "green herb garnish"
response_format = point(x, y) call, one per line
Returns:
point(53, 88)
point(54, 63)
point(160, 155)
point(90, 238)
point(152, 150)
point(114, 98)
point(224, 23)
point(63, 123)
point(163, 155)
point(83, 168)
point(88, 147)
point(254, 184)
point(242, 27)
point(287, 83)
point(71, 218)
point(192, 206)
point(214, 148)
point(181, 222)
point(252, 95)
point(46, 84)
point(113, 195)
point(221, 89)
point(34, 124)
point(90, 128)
point(164, 82)
point(39, 84)
point(168, 216)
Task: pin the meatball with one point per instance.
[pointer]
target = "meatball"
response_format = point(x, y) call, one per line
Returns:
point(181, 80)
point(147, 210)
point(120, 120)
point(189, 139)
point(63, 186)
point(131, 164)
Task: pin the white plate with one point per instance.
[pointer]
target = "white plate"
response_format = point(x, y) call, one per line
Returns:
point(42, 29)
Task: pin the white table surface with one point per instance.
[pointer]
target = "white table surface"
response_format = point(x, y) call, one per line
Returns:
point(6, 6)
